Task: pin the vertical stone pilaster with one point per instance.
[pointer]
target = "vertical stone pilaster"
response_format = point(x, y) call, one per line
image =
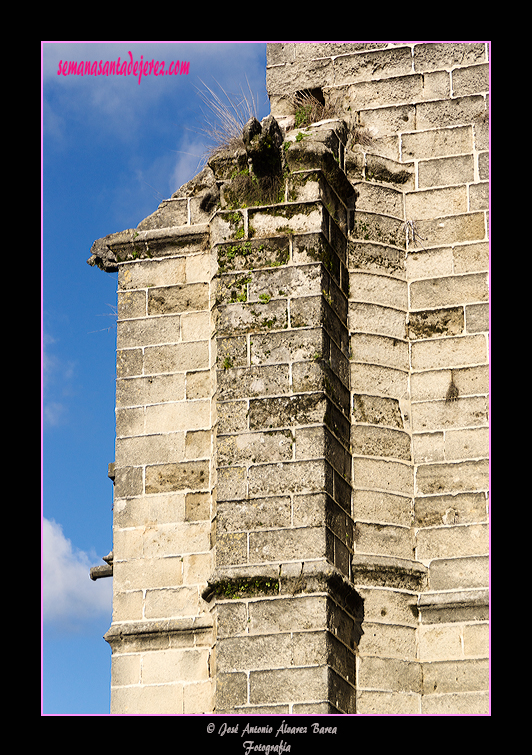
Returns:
point(287, 615)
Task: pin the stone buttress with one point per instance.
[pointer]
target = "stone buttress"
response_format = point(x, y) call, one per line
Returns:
point(300, 480)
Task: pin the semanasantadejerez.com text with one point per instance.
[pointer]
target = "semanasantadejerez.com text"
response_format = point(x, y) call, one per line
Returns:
point(123, 68)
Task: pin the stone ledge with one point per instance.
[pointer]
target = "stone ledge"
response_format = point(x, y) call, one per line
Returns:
point(454, 605)
point(388, 571)
point(292, 578)
point(132, 631)
point(107, 252)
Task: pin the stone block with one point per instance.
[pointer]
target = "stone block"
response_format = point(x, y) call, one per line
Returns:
point(388, 703)
point(254, 652)
point(470, 258)
point(372, 64)
point(181, 476)
point(454, 477)
point(232, 416)
point(319, 442)
point(385, 606)
point(428, 447)
point(232, 352)
point(301, 217)
point(440, 677)
point(131, 304)
point(446, 171)
point(147, 273)
point(476, 640)
point(154, 699)
point(381, 350)
point(376, 410)
point(436, 322)
point(284, 614)
point(458, 111)
point(391, 120)
point(253, 317)
point(145, 573)
point(288, 411)
point(231, 548)
point(231, 690)
point(454, 573)
point(251, 448)
point(253, 253)
point(147, 331)
point(232, 483)
point(125, 670)
point(383, 381)
point(383, 539)
point(165, 300)
point(452, 541)
point(451, 229)
point(295, 346)
point(250, 382)
point(383, 229)
point(291, 477)
point(431, 56)
point(389, 674)
point(471, 80)
point(449, 352)
point(448, 291)
point(154, 390)
point(438, 142)
point(198, 444)
point(385, 290)
point(377, 441)
point(196, 326)
point(197, 507)
point(179, 357)
point(456, 704)
point(289, 543)
point(467, 444)
point(168, 665)
point(469, 411)
point(128, 606)
point(387, 640)
point(440, 642)
point(176, 416)
point(128, 482)
point(199, 384)
point(377, 506)
point(461, 508)
point(254, 514)
point(477, 318)
point(392, 91)
point(388, 476)
point(433, 203)
point(232, 618)
point(289, 685)
point(470, 381)
point(374, 318)
point(479, 196)
point(129, 362)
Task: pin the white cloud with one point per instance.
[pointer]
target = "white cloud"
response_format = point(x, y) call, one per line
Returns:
point(70, 598)
point(189, 161)
point(58, 375)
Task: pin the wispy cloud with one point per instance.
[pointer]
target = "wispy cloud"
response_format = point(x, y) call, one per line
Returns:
point(57, 377)
point(70, 597)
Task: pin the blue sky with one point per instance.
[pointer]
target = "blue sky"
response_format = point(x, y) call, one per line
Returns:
point(112, 150)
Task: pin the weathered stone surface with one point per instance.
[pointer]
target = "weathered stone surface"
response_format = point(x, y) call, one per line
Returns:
point(302, 394)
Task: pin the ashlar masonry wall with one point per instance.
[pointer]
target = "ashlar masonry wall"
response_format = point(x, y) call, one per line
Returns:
point(418, 314)
point(301, 474)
